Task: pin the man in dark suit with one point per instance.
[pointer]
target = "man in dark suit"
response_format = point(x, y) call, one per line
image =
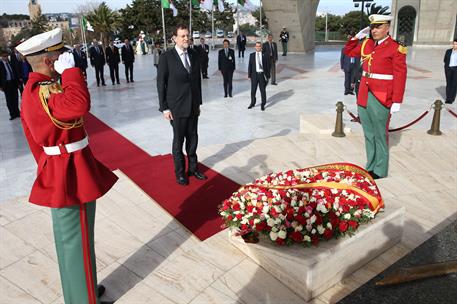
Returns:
point(80, 59)
point(97, 60)
point(349, 65)
point(270, 49)
point(259, 73)
point(180, 97)
point(241, 44)
point(128, 58)
point(226, 64)
point(203, 50)
point(9, 85)
point(113, 59)
point(17, 64)
point(450, 69)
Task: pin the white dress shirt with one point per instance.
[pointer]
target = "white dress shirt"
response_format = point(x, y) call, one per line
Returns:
point(453, 59)
point(184, 56)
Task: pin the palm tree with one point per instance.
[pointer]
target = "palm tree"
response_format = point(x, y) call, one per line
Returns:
point(39, 24)
point(104, 20)
point(378, 9)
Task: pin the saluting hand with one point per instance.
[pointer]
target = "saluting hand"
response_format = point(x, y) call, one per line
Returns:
point(363, 33)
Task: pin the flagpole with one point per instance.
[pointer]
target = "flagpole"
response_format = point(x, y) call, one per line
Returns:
point(261, 37)
point(163, 26)
point(238, 17)
point(212, 27)
point(190, 18)
point(84, 39)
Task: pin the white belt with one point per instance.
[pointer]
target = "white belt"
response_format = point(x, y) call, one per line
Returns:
point(378, 76)
point(68, 148)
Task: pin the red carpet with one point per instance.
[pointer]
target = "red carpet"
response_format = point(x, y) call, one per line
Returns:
point(194, 206)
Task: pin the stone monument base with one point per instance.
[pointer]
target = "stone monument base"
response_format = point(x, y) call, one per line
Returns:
point(310, 271)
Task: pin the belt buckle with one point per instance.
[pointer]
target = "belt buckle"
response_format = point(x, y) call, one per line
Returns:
point(63, 149)
point(369, 75)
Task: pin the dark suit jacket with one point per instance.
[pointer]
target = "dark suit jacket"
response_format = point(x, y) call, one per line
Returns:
point(178, 90)
point(97, 58)
point(128, 56)
point(226, 63)
point(447, 58)
point(267, 50)
point(252, 67)
point(112, 57)
point(345, 62)
point(16, 65)
point(241, 43)
point(203, 53)
point(80, 60)
point(3, 74)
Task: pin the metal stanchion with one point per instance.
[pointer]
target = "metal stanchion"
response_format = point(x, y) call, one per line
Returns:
point(435, 128)
point(339, 131)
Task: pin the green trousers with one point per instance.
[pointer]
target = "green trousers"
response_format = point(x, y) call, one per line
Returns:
point(375, 122)
point(284, 48)
point(74, 237)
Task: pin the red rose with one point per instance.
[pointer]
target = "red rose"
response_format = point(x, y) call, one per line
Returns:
point(280, 241)
point(353, 224)
point(244, 227)
point(343, 226)
point(236, 207)
point(251, 222)
point(318, 219)
point(301, 219)
point(260, 226)
point(229, 217)
point(346, 208)
point(334, 220)
point(250, 208)
point(328, 233)
point(239, 216)
point(297, 236)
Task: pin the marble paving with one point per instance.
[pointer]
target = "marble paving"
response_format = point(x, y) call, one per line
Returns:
point(145, 256)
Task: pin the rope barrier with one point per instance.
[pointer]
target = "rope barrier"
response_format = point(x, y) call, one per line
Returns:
point(450, 111)
point(357, 119)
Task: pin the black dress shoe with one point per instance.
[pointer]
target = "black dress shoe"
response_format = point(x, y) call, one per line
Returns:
point(262, 108)
point(374, 175)
point(230, 95)
point(182, 180)
point(250, 106)
point(351, 93)
point(128, 81)
point(274, 83)
point(449, 102)
point(100, 290)
point(225, 96)
point(346, 93)
point(103, 84)
point(118, 82)
point(131, 80)
point(198, 175)
point(107, 302)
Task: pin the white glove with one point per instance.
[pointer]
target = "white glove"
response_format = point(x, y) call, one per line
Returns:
point(363, 33)
point(65, 61)
point(394, 108)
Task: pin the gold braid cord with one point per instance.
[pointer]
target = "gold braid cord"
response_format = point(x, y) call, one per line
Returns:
point(48, 88)
point(366, 57)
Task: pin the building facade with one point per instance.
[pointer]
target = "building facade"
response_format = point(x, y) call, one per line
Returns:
point(424, 22)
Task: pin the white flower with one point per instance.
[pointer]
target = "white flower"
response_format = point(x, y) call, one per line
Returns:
point(336, 206)
point(265, 209)
point(334, 191)
point(313, 219)
point(313, 231)
point(294, 224)
point(282, 234)
point(242, 206)
point(320, 229)
point(274, 229)
point(299, 228)
point(309, 227)
point(329, 226)
point(256, 221)
point(347, 216)
point(270, 222)
point(358, 212)
point(324, 174)
point(337, 213)
point(273, 236)
point(321, 207)
point(307, 238)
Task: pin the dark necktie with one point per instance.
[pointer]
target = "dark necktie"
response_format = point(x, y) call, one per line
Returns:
point(186, 62)
point(226, 52)
point(10, 71)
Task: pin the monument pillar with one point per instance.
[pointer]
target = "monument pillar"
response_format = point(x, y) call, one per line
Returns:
point(297, 16)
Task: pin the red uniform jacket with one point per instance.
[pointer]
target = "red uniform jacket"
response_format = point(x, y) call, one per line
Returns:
point(386, 58)
point(66, 179)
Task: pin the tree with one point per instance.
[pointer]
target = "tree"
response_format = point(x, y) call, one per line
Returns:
point(140, 15)
point(104, 20)
point(256, 15)
point(333, 23)
point(351, 22)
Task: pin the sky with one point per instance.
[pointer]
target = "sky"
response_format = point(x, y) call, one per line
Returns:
point(338, 7)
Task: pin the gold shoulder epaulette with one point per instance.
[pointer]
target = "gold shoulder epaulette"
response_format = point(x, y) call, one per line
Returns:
point(402, 49)
point(46, 89)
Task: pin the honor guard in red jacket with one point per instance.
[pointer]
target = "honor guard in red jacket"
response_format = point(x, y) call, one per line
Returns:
point(381, 87)
point(69, 178)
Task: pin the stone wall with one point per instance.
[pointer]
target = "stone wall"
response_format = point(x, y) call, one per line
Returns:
point(297, 16)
